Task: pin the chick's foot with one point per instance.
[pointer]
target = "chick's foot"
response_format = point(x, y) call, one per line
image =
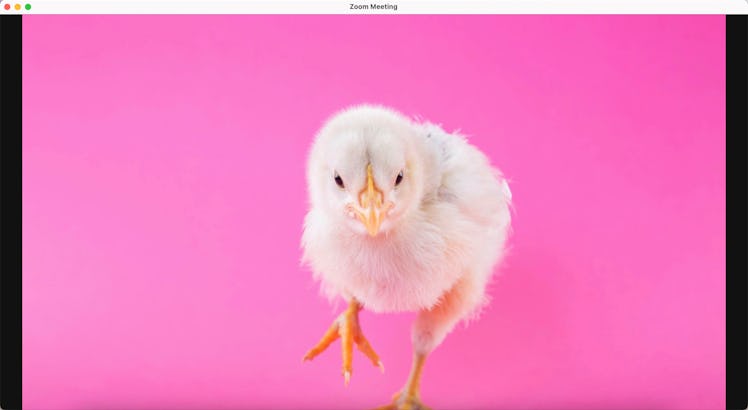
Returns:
point(347, 328)
point(405, 402)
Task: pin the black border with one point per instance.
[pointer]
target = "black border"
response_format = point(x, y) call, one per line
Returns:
point(10, 127)
point(736, 39)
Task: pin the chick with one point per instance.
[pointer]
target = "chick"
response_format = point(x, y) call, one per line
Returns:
point(403, 217)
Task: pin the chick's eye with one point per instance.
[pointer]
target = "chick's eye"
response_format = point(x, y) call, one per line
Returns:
point(339, 180)
point(399, 178)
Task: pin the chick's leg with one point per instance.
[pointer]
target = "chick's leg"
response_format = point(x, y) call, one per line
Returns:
point(409, 397)
point(429, 330)
point(347, 328)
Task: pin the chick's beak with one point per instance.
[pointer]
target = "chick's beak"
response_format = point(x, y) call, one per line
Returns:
point(372, 210)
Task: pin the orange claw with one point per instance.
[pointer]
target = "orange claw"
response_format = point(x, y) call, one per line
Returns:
point(330, 336)
point(346, 327)
point(364, 346)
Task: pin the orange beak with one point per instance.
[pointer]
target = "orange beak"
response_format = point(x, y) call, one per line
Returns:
point(372, 208)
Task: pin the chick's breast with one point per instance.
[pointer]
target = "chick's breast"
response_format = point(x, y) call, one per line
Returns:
point(457, 233)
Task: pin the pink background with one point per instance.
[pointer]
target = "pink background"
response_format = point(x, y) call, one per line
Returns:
point(164, 195)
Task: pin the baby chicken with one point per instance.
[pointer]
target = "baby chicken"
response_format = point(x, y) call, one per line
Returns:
point(404, 217)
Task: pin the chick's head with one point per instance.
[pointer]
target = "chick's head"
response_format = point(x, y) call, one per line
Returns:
point(364, 170)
